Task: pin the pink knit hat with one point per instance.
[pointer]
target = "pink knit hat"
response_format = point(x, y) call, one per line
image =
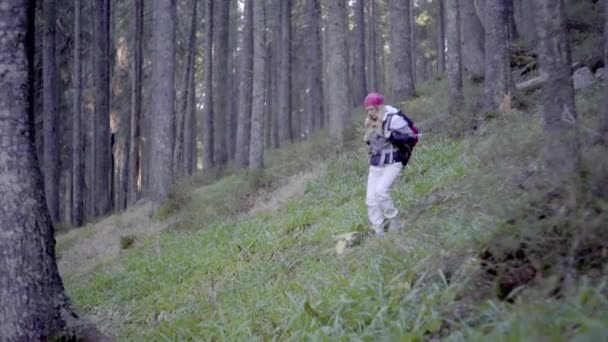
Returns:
point(373, 99)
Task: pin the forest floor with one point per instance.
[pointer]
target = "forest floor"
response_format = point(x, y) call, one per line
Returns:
point(252, 256)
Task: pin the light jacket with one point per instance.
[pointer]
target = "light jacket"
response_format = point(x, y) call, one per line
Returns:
point(383, 149)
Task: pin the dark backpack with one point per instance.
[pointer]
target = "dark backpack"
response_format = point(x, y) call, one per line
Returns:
point(406, 150)
point(412, 127)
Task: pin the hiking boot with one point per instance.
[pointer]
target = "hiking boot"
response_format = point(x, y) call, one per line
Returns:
point(378, 231)
point(394, 225)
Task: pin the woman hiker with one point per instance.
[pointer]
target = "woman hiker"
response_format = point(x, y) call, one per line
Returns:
point(390, 138)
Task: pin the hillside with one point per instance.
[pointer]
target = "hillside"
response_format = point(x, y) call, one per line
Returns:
point(485, 254)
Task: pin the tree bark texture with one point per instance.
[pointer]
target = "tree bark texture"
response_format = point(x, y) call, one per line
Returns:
point(33, 303)
point(102, 172)
point(402, 81)
point(284, 95)
point(314, 98)
point(497, 76)
point(189, 155)
point(441, 36)
point(372, 56)
point(273, 19)
point(256, 151)
point(78, 137)
point(604, 113)
point(454, 65)
point(245, 88)
point(51, 160)
point(220, 80)
point(136, 101)
point(163, 100)
point(207, 124)
point(359, 81)
point(179, 169)
point(473, 40)
point(559, 110)
point(337, 70)
point(511, 26)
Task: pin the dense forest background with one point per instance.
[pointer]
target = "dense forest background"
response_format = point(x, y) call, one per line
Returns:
point(98, 84)
point(194, 169)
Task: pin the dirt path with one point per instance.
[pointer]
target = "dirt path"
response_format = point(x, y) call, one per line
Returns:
point(295, 186)
point(80, 250)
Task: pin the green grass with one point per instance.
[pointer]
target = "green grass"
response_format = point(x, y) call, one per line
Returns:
point(222, 275)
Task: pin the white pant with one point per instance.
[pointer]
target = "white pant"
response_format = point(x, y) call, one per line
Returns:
point(378, 200)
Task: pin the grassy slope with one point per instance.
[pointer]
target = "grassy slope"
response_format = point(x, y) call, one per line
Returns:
point(219, 275)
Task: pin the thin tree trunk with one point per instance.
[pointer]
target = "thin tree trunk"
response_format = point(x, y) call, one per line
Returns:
point(102, 143)
point(256, 152)
point(273, 16)
point(184, 114)
point(454, 57)
point(163, 100)
point(51, 114)
point(268, 91)
point(77, 130)
point(473, 40)
point(337, 66)
point(402, 82)
point(511, 27)
point(498, 82)
point(359, 81)
point(207, 124)
point(314, 96)
point(245, 88)
point(220, 72)
point(413, 41)
point(604, 113)
point(372, 65)
point(136, 93)
point(441, 34)
point(190, 119)
point(559, 110)
point(284, 87)
point(33, 302)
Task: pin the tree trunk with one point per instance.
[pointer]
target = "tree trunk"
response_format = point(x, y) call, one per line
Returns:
point(51, 159)
point(284, 87)
point(314, 98)
point(372, 64)
point(498, 82)
point(337, 68)
point(414, 40)
point(441, 36)
point(454, 57)
point(359, 81)
point(511, 27)
point(33, 302)
point(473, 40)
point(189, 155)
point(207, 124)
point(268, 90)
point(528, 22)
point(163, 99)
point(559, 110)
point(136, 93)
point(77, 130)
point(402, 81)
point(220, 81)
point(245, 88)
point(604, 113)
point(256, 152)
point(180, 126)
point(273, 10)
point(102, 171)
